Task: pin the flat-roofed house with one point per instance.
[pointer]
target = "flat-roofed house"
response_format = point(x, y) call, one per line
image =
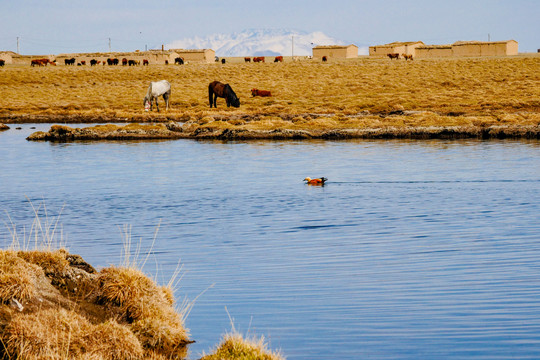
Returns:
point(335, 51)
point(485, 48)
point(408, 48)
point(196, 55)
point(434, 51)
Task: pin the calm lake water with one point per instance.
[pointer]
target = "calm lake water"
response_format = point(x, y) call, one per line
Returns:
point(413, 249)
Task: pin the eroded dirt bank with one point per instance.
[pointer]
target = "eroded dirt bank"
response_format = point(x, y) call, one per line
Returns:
point(190, 130)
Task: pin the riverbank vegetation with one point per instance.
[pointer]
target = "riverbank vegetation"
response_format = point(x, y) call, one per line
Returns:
point(360, 95)
point(54, 305)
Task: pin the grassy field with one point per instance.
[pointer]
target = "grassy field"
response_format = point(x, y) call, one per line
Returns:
point(363, 93)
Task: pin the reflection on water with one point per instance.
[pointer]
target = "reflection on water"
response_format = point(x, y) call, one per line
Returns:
point(413, 249)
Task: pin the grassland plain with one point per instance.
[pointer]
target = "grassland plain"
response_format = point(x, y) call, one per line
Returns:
point(364, 97)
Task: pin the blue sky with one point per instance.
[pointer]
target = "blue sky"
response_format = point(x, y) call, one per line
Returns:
point(59, 26)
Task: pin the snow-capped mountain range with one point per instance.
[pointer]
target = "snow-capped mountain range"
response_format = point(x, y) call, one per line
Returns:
point(258, 42)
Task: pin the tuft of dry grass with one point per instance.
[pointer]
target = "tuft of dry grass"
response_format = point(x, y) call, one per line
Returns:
point(51, 262)
point(17, 277)
point(234, 346)
point(64, 334)
point(146, 306)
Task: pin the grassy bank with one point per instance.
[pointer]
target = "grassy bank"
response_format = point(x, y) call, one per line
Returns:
point(362, 95)
point(54, 305)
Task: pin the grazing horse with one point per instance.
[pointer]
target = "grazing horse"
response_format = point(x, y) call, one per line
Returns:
point(215, 89)
point(393, 56)
point(262, 93)
point(155, 90)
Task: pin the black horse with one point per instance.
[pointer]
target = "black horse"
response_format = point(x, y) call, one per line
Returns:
point(215, 89)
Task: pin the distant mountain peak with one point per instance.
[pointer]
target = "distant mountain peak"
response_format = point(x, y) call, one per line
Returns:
point(258, 42)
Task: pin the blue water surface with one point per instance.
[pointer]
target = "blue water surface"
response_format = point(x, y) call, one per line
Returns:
point(412, 250)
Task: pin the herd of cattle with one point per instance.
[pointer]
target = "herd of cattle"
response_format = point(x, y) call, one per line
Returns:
point(261, 59)
point(178, 60)
point(93, 62)
point(124, 61)
point(396, 56)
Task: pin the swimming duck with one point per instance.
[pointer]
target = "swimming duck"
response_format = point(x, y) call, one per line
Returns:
point(318, 181)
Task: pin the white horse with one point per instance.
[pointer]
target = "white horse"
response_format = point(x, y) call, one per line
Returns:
point(156, 89)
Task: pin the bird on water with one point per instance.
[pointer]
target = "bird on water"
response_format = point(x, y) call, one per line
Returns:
point(317, 181)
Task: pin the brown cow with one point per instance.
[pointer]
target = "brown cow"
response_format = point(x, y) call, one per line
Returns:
point(258, 59)
point(262, 93)
point(39, 62)
point(124, 62)
point(278, 59)
point(407, 57)
point(145, 62)
point(2, 63)
point(324, 59)
point(247, 59)
point(393, 56)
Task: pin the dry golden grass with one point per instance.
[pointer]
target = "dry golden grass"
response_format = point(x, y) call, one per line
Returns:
point(234, 346)
point(118, 313)
point(146, 306)
point(54, 305)
point(65, 334)
point(307, 95)
point(16, 277)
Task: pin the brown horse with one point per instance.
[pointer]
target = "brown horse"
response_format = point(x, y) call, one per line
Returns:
point(215, 89)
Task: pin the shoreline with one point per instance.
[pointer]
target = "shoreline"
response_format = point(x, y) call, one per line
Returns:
point(190, 130)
